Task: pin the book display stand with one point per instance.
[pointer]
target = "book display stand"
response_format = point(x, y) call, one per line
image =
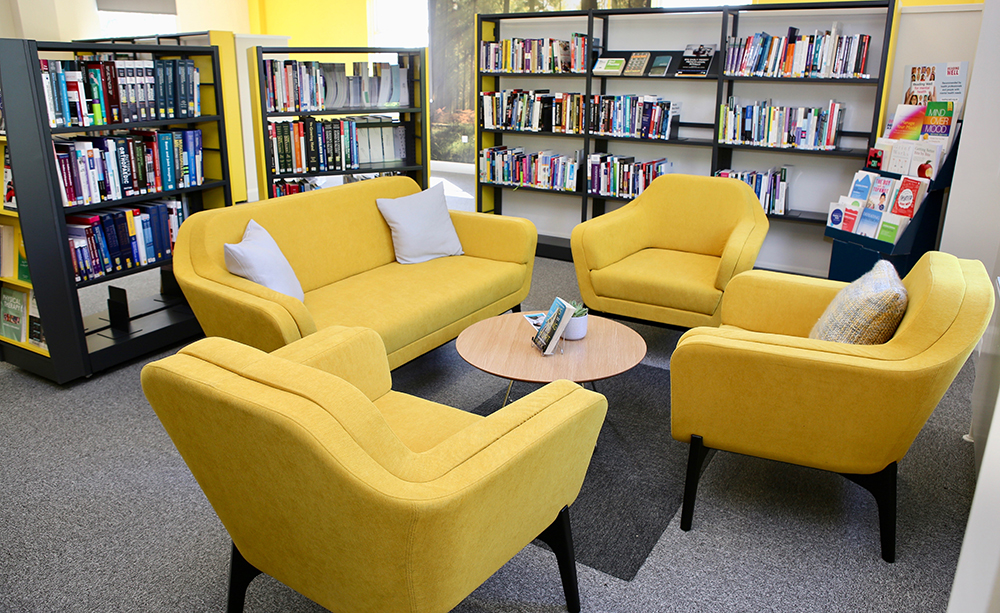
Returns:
point(695, 144)
point(79, 346)
point(338, 111)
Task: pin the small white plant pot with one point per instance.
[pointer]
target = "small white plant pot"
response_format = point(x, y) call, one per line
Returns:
point(576, 329)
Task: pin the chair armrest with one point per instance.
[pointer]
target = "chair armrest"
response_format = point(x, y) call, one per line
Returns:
point(356, 355)
point(496, 237)
point(609, 238)
point(807, 402)
point(775, 302)
point(742, 247)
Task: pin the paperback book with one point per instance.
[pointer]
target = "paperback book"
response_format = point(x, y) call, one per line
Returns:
point(14, 314)
point(697, 60)
point(553, 326)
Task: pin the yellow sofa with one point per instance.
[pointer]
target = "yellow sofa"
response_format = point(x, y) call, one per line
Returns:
point(340, 248)
point(668, 255)
point(364, 499)
point(759, 386)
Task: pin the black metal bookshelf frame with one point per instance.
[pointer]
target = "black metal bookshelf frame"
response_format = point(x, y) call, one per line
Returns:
point(80, 346)
point(490, 195)
point(415, 116)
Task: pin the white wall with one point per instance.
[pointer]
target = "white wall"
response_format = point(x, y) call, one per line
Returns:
point(7, 25)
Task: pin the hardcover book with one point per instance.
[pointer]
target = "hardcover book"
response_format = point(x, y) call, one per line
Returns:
point(880, 198)
point(660, 66)
point(697, 60)
point(909, 195)
point(609, 66)
point(636, 66)
point(907, 122)
point(868, 223)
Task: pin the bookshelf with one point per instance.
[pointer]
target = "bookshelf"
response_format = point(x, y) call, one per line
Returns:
point(228, 69)
point(815, 175)
point(411, 139)
point(79, 345)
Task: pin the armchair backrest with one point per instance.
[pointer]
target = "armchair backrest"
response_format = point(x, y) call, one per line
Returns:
point(326, 235)
point(698, 214)
point(291, 458)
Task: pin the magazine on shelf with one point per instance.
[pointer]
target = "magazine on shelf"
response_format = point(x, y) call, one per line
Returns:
point(552, 328)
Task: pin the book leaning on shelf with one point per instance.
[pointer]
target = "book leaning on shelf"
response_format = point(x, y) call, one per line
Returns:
point(878, 206)
point(96, 169)
point(13, 261)
point(552, 328)
point(95, 91)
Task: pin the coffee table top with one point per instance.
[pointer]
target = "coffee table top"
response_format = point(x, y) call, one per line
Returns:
point(502, 346)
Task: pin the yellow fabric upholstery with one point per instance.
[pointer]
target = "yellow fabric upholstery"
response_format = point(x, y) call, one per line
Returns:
point(340, 248)
point(367, 504)
point(759, 386)
point(668, 255)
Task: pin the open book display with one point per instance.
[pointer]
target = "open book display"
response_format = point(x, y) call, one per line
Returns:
point(552, 328)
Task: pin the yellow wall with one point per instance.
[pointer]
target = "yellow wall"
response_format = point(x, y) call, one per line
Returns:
point(312, 23)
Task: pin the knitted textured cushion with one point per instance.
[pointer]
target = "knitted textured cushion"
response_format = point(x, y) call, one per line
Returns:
point(866, 312)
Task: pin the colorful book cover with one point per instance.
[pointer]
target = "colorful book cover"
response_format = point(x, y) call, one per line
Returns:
point(835, 219)
point(892, 227)
point(879, 199)
point(13, 314)
point(23, 274)
point(938, 121)
point(907, 122)
point(868, 223)
point(905, 203)
point(852, 212)
point(926, 158)
point(861, 187)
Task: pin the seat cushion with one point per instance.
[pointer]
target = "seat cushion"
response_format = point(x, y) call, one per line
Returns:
point(406, 302)
point(662, 277)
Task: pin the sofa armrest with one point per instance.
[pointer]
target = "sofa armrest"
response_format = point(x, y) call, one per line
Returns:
point(776, 303)
point(496, 237)
point(252, 314)
point(742, 247)
point(807, 402)
point(356, 355)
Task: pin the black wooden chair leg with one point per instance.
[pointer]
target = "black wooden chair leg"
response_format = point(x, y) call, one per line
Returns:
point(882, 486)
point(241, 573)
point(560, 539)
point(696, 458)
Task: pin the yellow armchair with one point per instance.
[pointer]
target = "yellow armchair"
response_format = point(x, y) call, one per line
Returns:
point(362, 498)
point(668, 255)
point(759, 386)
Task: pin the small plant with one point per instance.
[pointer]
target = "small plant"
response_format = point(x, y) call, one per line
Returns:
point(581, 310)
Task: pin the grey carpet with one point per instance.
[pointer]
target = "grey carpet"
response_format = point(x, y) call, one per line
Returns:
point(636, 476)
point(99, 513)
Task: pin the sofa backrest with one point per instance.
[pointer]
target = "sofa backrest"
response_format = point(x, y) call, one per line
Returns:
point(694, 213)
point(326, 235)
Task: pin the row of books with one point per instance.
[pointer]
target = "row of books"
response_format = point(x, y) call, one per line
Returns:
point(311, 145)
point(635, 116)
point(94, 92)
point(285, 187)
point(828, 54)
point(13, 262)
point(919, 158)
point(628, 115)
point(877, 206)
point(771, 186)
point(19, 319)
point(9, 198)
point(540, 169)
point(307, 86)
point(621, 176)
point(765, 125)
point(123, 237)
point(536, 55)
point(107, 168)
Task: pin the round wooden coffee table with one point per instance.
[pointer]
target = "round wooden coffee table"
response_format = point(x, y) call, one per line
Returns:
point(502, 346)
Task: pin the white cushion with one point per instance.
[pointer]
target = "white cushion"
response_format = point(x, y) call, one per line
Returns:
point(421, 226)
point(258, 258)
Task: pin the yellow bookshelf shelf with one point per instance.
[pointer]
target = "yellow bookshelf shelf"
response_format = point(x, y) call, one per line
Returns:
point(6, 213)
point(27, 346)
point(15, 282)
